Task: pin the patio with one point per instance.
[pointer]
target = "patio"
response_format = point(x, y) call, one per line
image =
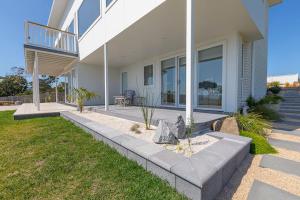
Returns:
point(28, 110)
point(202, 119)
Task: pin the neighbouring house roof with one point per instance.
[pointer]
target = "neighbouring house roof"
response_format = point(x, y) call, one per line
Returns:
point(289, 78)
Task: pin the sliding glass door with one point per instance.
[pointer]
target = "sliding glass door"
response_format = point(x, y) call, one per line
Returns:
point(209, 78)
point(181, 81)
point(209, 72)
point(168, 78)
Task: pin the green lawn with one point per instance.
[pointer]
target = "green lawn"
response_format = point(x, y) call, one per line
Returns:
point(259, 144)
point(50, 158)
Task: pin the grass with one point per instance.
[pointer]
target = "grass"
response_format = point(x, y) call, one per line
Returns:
point(50, 158)
point(259, 144)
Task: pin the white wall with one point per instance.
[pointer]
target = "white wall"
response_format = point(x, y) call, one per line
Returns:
point(230, 71)
point(91, 77)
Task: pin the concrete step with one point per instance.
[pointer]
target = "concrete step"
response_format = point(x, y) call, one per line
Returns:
point(292, 146)
point(290, 115)
point(293, 133)
point(280, 164)
point(289, 123)
point(289, 107)
point(263, 191)
point(290, 103)
point(289, 110)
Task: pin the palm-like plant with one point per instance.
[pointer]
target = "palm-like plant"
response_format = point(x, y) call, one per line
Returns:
point(82, 95)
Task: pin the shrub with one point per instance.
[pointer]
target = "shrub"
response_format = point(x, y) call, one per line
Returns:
point(254, 123)
point(274, 90)
point(270, 99)
point(266, 113)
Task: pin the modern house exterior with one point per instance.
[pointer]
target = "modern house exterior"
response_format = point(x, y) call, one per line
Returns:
point(192, 54)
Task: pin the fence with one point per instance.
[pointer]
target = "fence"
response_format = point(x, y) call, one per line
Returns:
point(44, 98)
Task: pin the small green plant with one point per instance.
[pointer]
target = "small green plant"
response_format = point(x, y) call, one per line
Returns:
point(135, 128)
point(254, 123)
point(270, 99)
point(82, 95)
point(190, 128)
point(148, 107)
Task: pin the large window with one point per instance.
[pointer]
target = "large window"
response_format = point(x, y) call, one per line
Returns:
point(148, 75)
point(88, 12)
point(209, 77)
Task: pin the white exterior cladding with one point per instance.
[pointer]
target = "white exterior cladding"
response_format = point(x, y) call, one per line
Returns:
point(125, 26)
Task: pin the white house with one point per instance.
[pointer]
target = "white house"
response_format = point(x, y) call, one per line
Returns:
point(193, 54)
point(283, 79)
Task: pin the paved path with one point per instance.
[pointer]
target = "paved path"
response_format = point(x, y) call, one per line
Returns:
point(7, 108)
point(269, 177)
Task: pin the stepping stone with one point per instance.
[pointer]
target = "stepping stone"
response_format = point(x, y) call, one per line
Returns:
point(295, 133)
point(293, 146)
point(281, 164)
point(263, 191)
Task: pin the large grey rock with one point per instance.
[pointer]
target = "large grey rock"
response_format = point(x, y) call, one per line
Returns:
point(164, 133)
point(179, 129)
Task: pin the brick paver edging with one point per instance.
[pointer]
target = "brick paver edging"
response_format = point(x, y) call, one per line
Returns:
point(200, 177)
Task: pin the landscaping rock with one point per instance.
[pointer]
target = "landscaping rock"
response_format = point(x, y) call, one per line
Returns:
point(179, 129)
point(164, 133)
point(230, 126)
point(216, 126)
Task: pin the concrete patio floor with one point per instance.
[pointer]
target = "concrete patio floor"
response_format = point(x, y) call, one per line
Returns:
point(28, 110)
point(202, 119)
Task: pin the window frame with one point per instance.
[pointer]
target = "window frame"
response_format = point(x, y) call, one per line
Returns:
point(148, 85)
point(92, 24)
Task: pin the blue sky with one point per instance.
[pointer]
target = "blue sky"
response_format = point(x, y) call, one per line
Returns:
point(284, 38)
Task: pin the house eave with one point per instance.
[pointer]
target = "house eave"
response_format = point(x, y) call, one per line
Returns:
point(57, 10)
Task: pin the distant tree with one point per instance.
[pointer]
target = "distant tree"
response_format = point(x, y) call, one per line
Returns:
point(13, 85)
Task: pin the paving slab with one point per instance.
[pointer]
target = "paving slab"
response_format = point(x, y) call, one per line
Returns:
point(221, 135)
point(263, 191)
point(295, 132)
point(167, 159)
point(281, 164)
point(293, 146)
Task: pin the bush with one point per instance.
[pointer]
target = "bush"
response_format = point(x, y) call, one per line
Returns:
point(259, 144)
point(270, 99)
point(254, 123)
point(266, 113)
point(275, 89)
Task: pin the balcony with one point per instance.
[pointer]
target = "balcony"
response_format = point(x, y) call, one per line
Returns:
point(54, 50)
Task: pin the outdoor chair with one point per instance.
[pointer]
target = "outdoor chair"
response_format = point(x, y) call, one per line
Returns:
point(126, 99)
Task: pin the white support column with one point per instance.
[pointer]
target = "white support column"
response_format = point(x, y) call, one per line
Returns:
point(36, 88)
point(65, 89)
point(190, 55)
point(106, 78)
point(56, 91)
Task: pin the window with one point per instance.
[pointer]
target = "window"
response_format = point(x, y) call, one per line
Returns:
point(108, 2)
point(209, 77)
point(88, 12)
point(148, 75)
